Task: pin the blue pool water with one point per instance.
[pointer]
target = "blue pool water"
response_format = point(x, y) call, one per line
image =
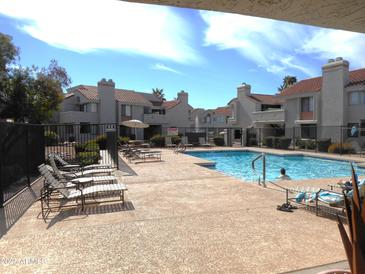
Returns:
point(238, 164)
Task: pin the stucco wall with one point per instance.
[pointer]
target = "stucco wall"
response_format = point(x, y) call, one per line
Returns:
point(178, 116)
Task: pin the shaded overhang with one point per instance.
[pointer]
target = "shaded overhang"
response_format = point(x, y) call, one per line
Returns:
point(336, 14)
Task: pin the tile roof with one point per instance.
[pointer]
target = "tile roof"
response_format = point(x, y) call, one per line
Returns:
point(170, 104)
point(121, 95)
point(315, 84)
point(266, 99)
point(226, 111)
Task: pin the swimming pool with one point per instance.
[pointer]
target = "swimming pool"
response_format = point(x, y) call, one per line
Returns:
point(238, 164)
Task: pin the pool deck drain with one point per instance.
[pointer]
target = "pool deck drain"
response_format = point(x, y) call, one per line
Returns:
point(180, 217)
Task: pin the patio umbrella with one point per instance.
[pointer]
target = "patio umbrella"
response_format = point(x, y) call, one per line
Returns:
point(135, 124)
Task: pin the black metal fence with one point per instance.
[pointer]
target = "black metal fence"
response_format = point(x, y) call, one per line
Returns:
point(23, 147)
point(332, 139)
point(21, 151)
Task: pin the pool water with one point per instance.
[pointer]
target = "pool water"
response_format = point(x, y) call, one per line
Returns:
point(238, 164)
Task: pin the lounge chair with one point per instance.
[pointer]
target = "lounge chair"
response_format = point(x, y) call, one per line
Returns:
point(67, 166)
point(78, 194)
point(69, 175)
point(202, 142)
point(144, 155)
point(168, 142)
point(185, 142)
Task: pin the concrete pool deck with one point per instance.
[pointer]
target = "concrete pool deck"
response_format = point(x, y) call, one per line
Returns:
point(180, 217)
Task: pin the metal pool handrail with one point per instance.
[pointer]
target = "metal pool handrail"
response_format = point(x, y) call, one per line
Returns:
point(263, 156)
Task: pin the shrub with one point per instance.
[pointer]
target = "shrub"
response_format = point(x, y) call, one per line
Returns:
point(71, 138)
point(123, 140)
point(268, 141)
point(92, 146)
point(158, 140)
point(300, 143)
point(323, 145)
point(101, 141)
point(252, 142)
point(79, 148)
point(176, 139)
point(310, 144)
point(282, 142)
point(51, 138)
point(88, 158)
point(218, 141)
point(346, 148)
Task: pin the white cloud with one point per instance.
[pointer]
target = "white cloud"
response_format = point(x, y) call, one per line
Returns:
point(281, 47)
point(90, 25)
point(164, 68)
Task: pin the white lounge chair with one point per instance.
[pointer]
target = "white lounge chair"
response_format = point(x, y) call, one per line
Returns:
point(67, 166)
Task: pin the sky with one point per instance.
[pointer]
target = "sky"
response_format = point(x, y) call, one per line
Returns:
point(207, 54)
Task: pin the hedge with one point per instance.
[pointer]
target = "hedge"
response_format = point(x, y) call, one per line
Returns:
point(252, 142)
point(92, 146)
point(123, 140)
point(88, 158)
point(101, 141)
point(346, 148)
point(268, 141)
point(276, 142)
point(158, 141)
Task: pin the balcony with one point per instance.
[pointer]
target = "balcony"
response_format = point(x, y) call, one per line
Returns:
point(273, 116)
point(155, 118)
point(76, 117)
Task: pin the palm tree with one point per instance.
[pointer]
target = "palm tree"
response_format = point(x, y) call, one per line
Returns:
point(158, 92)
point(287, 82)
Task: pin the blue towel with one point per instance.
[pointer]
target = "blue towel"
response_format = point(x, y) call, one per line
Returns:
point(299, 197)
point(329, 197)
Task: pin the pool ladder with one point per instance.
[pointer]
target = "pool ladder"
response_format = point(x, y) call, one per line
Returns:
point(263, 157)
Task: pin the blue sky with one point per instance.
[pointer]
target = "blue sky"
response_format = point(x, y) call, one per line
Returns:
point(141, 47)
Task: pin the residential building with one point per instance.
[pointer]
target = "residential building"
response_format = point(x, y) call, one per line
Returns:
point(216, 118)
point(104, 104)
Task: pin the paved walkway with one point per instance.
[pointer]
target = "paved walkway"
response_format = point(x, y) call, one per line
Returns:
point(180, 217)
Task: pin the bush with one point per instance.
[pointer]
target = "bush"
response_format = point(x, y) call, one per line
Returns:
point(158, 141)
point(176, 139)
point(101, 141)
point(300, 143)
point(51, 138)
point(218, 141)
point(323, 145)
point(123, 140)
point(268, 141)
point(79, 148)
point(310, 144)
point(71, 139)
point(88, 158)
point(346, 148)
point(282, 142)
point(92, 146)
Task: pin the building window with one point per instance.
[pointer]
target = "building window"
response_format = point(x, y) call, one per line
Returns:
point(309, 131)
point(84, 128)
point(91, 107)
point(353, 130)
point(307, 104)
point(126, 110)
point(355, 98)
point(207, 119)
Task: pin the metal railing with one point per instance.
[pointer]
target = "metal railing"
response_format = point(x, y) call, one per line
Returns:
point(263, 157)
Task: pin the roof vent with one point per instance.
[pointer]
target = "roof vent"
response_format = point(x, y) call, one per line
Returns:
point(339, 59)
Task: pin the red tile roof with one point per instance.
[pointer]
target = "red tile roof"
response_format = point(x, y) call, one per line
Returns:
point(226, 111)
point(315, 84)
point(266, 99)
point(170, 104)
point(121, 95)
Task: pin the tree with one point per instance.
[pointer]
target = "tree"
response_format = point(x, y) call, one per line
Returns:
point(29, 94)
point(159, 93)
point(287, 82)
